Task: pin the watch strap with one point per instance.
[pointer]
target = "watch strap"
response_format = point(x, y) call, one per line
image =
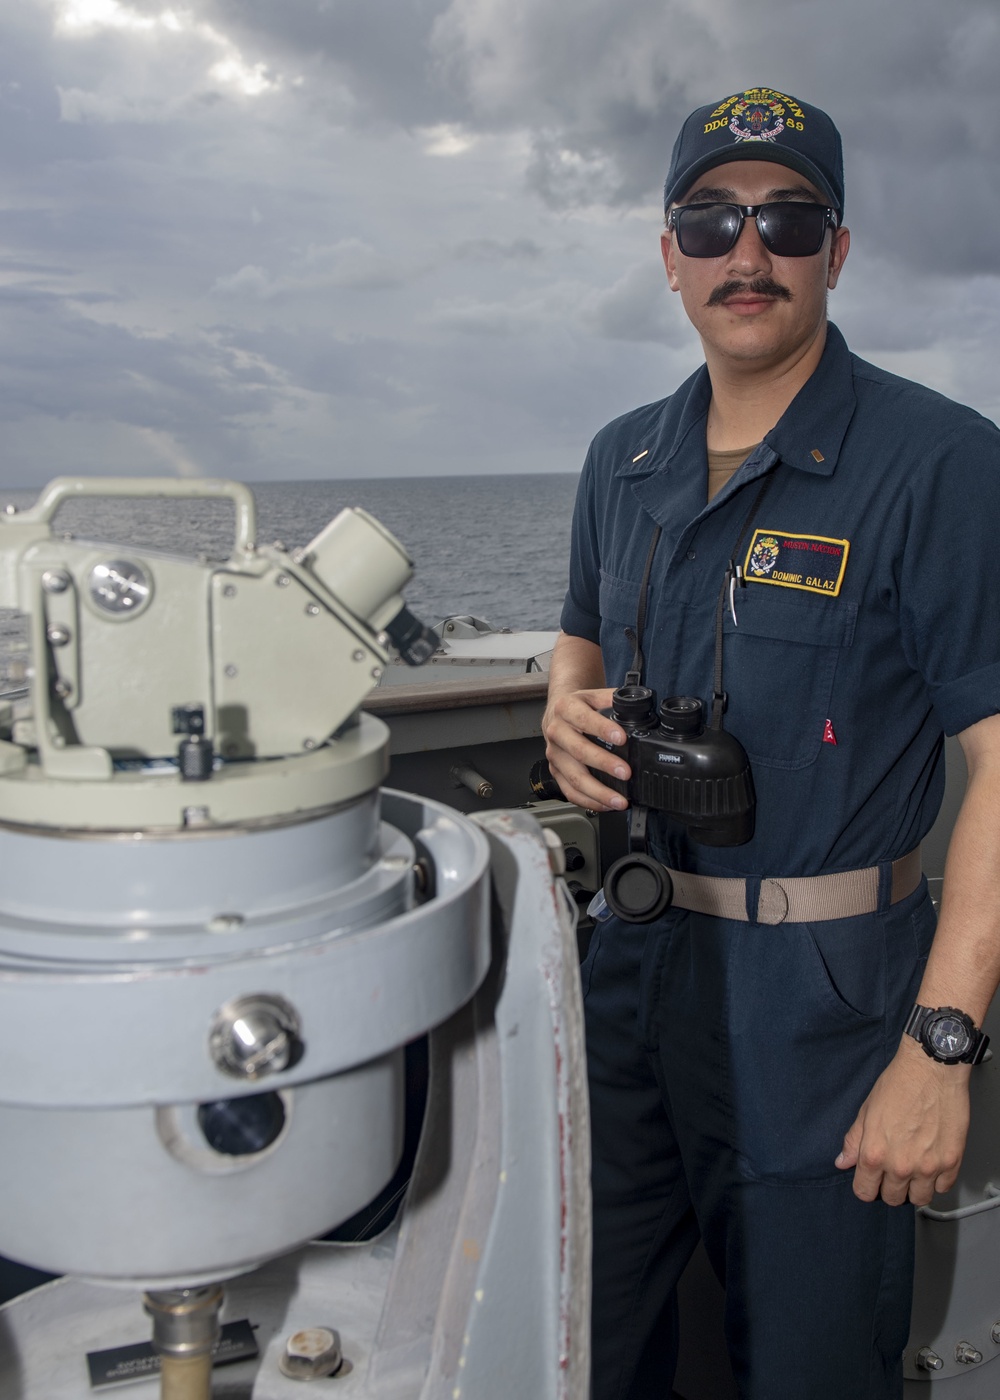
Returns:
point(915, 1020)
point(980, 1045)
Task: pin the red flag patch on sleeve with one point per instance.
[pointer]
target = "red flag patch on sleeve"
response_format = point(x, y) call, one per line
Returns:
point(828, 735)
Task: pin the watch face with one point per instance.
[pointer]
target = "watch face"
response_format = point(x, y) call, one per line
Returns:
point(949, 1036)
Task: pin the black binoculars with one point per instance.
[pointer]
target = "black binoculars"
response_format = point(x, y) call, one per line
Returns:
point(696, 775)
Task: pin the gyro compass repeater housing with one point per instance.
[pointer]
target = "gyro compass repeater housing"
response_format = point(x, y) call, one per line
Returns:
point(212, 950)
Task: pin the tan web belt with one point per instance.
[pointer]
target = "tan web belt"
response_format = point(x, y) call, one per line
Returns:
point(800, 899)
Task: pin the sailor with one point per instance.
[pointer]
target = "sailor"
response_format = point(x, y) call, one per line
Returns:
point(759, 1076)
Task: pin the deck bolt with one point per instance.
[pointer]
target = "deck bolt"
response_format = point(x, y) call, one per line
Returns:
point(311, 1353)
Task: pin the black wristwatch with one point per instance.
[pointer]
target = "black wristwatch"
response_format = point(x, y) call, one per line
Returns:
point(947, 1035)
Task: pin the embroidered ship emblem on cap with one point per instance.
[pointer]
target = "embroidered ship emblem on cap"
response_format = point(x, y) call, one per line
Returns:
point(757, 118)
point(759, 114)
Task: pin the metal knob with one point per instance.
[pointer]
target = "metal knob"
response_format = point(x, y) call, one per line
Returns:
point(255, 1036)
point(928, 1360)
point(967, 1354)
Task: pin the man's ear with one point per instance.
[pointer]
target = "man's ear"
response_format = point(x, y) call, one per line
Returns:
point(840, 245)
point(669, 255)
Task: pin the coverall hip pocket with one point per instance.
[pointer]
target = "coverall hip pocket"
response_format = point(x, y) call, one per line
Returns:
point(808, 1037)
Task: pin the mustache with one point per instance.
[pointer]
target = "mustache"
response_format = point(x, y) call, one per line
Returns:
point(757, 286)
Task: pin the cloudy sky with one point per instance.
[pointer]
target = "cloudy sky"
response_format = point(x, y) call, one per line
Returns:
point(280, 239)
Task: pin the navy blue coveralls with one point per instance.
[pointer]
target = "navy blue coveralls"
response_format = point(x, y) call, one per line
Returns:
point(727, 1059)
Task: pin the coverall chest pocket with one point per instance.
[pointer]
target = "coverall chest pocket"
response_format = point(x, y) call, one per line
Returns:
point(779, 668)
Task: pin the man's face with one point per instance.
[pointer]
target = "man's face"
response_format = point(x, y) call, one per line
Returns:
point(750, 306)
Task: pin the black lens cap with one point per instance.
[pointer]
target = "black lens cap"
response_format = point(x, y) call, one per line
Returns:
point(638, 888)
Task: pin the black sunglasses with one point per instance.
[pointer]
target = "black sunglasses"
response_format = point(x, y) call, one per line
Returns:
point(787, 228)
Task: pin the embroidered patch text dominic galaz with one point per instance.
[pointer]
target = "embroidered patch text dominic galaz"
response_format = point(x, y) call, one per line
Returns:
point(813, 563)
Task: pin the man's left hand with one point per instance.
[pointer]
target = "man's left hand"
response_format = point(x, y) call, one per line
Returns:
point(907, 1141)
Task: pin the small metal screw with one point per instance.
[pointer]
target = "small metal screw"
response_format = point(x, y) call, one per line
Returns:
point(58, 742)
point(57, 634)
point(312, 610)
point(358, 655)
point(376, 673)
point(995, 1333)
point(55, 580)
point(229, 591)
point(311, 1353)
point(282, 580)
point(231, 671)
point(927, 1360)
point(63, 689)
point(255, 1036)
point(308, 743)
point(968, 1355)
point(10, 509)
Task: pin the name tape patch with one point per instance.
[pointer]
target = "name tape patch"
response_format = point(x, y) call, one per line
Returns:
point(812, 563)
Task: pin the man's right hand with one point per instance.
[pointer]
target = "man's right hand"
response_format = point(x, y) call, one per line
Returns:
point(568, 717)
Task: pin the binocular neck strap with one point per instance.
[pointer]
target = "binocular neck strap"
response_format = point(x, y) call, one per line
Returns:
point(634, 676)
point(734, 577)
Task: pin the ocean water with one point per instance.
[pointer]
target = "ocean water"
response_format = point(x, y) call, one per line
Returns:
point(493, 546)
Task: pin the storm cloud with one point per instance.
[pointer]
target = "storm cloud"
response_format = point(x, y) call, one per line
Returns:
point(301, 238)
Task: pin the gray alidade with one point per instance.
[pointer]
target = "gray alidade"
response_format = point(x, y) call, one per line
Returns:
point(213, 950)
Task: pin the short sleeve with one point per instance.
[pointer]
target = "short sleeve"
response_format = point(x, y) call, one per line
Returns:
point(581, 615)
point(949, 580)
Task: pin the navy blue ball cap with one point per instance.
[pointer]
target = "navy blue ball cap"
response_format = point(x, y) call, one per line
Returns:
point(759, 124)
